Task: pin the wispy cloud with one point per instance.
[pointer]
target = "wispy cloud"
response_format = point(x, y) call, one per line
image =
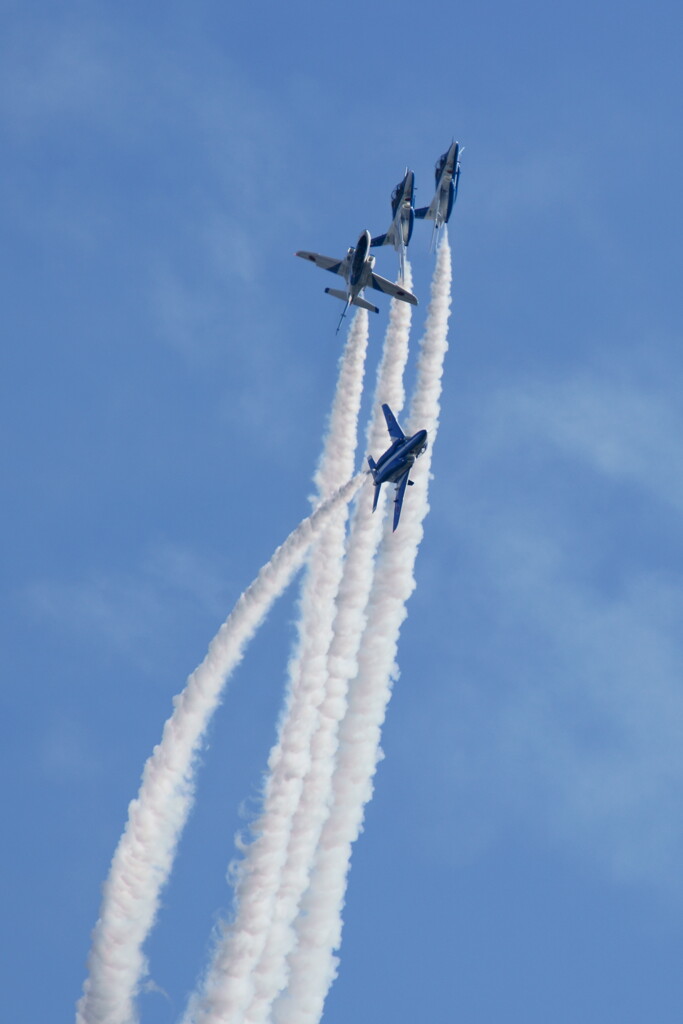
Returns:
point(57, 70)
point(66, 753)
point(617, 426)
point(74, 89)
point(126, 611)
point(529, 181)
point(566, 707)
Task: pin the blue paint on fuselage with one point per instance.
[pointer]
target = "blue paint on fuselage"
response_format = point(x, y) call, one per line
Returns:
point(411, 220)
point(399, 457)
point(447, 167)
point(402, 200)
point(451, 199)
point(359, 257)
point(397, 198)
point(403, 192)
point(447, 160)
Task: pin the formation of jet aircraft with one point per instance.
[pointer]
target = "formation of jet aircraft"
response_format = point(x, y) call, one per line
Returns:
point(357, 266)
point(357, 269)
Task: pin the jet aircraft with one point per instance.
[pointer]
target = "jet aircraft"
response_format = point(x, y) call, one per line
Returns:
point(401, 227)
point(356, 269)
point(396, 463)
point(447, 175)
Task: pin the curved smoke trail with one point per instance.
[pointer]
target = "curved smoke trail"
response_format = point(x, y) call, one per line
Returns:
point(144, 855)
point(228, 985)
point(312, 964)
point(270, 975)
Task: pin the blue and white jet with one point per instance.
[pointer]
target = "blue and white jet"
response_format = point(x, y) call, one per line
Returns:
point(447, 175)
point(401, 227)
point(396, 463)
point(357, 270)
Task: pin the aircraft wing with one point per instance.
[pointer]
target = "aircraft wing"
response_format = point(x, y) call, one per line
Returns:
point(382, 285)
point(398, 497)
point(395, 432)
point(325, 262)
point(428, 212)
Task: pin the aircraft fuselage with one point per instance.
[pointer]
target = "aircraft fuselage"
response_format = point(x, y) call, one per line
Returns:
point(361, 263)
point(399, 457)
point(402, 209)
point(446, 175)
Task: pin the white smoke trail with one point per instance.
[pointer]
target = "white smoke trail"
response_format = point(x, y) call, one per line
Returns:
point(144, 856)
point(270, 975)
point(228, 985)
point(312, 964)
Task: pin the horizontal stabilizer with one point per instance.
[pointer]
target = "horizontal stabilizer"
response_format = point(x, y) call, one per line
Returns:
point(364, 304)
point(337, 293)
point(354, 302)
point(422, 212)
point(379, 240)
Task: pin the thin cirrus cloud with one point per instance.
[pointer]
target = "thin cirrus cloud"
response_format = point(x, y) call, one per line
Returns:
point(125, 610)
point(566, 709)
point(619, 429)
point(582, 744)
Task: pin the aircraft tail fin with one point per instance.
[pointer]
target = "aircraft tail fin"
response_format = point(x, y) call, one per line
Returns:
point(379, 240)
point(357, 301)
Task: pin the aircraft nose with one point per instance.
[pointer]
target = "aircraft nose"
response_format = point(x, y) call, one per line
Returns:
point(420, 441)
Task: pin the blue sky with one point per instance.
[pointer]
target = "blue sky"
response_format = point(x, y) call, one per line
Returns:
point(167, 371)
